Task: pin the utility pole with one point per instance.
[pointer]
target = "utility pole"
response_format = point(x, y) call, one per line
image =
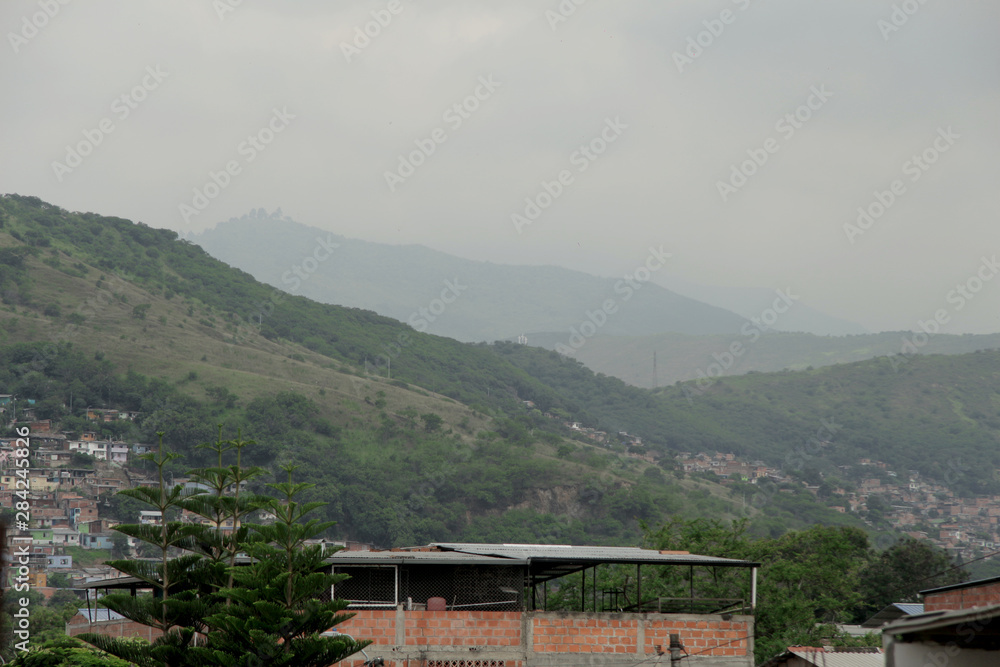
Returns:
point(675, 650)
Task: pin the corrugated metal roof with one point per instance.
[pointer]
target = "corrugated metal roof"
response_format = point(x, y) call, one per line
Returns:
point(822, 657)
point(94, 615)
point(345, 557)
point(892, 612)
point(589, 554)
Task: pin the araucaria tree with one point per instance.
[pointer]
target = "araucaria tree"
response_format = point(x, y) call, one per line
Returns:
point(226, 592)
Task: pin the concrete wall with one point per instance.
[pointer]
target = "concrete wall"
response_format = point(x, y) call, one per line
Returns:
point(487, 639)
point(904, 655)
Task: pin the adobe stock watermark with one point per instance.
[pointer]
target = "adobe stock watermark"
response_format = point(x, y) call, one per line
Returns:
point(562, 13)
point(963, 293)
point(698, 43)
point(293, 279)
point(753, 330)
point(626, 287)
point(796, 460)
point(786, 126)
point(363, 35)
point(224, 7)
point(455, 116)
point(422, 318)
point(299, 273)
point(581, 158)
point(33, 24)
point(122, 107)
point(248, 149)
point(899, 17)
point(915, 167)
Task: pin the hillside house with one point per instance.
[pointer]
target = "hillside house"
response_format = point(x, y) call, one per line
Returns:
point(60, 561)
point(151, 517)
point(441, 602)
point(96, 540)
point(100, 415)
point(65, 537)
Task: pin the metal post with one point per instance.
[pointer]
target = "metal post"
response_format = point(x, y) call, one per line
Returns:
point(638, 586)
point(675, 650)
point(545, 596)
point(593, 587)
point(753, 589)
point(691, 600)
point(583, 590)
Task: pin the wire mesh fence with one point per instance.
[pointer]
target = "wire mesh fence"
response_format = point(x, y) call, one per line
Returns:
point(469, 587)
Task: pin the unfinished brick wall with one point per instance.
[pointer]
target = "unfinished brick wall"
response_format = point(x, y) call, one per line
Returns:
point(437, 628)
point(963, 598)
point(508, 639)
point(619, 633)
point(714, 638)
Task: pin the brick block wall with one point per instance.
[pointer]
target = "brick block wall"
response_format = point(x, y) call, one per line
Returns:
point(482, 639)
point(963, 598)
point(620, 633)
point(437, 628)
point(710, 638)
point(558, 633)
point(489, 639)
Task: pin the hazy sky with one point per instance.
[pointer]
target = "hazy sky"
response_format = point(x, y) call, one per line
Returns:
point(310, 114)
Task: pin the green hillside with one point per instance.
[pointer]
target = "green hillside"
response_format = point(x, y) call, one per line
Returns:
point(103, 312)
point(936, 414)
point(444, 448)
point(683, 357)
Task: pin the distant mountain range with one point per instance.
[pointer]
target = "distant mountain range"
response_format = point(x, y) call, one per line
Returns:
point(470, 300)
point(752, 301)
point(449, 296)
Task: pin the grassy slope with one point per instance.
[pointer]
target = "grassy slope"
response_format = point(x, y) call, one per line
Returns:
point(931, 413)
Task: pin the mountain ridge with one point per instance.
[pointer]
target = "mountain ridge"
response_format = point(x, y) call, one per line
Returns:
point(499, 301)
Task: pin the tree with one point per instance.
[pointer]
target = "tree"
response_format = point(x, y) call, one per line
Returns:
point(66, 652)
point(119, 546)
point(182, 585)
point(808, 580)
point(267, 612)
point(432, 422)
point(901, 571)
point(277, 615)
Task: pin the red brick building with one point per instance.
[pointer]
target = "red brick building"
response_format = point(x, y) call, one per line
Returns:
point(486, 605)
point(493, 605)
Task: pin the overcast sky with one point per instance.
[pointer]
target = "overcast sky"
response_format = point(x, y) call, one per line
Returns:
point(331, 110)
